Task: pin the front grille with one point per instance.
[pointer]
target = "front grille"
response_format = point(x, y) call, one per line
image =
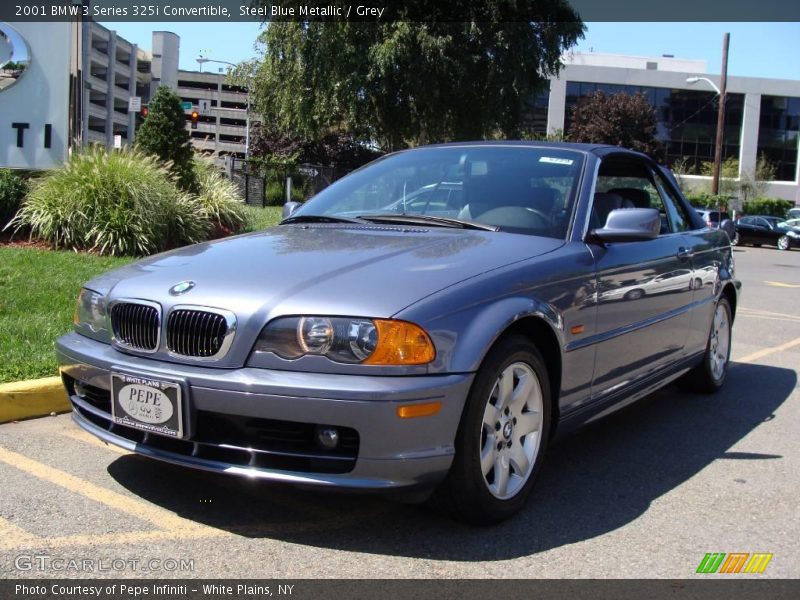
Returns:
point(197, 333)
point(136, 325)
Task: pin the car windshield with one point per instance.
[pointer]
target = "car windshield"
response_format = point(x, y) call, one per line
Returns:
point(514, 188)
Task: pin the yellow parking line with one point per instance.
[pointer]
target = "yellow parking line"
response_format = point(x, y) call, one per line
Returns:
point(767, 351)
point(784, 285)
point(758, 311)
point(157, 516)
point(12, 536)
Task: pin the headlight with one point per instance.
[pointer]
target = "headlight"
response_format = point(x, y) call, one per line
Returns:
point(90, 314)
point(348, 340)
point(793, 234)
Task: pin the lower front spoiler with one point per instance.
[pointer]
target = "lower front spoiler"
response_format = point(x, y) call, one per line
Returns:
point(405, 471)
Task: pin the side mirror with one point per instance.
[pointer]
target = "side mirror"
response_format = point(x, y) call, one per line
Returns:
point(289, 208)
point(629, 225)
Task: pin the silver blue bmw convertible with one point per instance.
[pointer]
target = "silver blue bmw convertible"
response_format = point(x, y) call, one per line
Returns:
point(426, 325)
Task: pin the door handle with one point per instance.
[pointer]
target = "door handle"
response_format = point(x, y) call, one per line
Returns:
point(685, 253)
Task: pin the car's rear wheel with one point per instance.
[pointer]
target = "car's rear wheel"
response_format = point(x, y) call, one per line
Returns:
point(784, 242)
point(502, 435)
point(710, 374)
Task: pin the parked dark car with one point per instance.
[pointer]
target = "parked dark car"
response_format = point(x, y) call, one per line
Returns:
point(367, 344)
point(772, 231)
point(712, 218)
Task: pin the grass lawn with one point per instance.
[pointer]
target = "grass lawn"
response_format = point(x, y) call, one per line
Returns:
point(260, 218)
point(38, 289)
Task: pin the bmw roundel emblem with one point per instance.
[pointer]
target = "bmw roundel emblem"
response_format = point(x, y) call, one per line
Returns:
point(181, 288)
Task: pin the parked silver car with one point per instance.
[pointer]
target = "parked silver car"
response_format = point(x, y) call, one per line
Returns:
point(365, 344)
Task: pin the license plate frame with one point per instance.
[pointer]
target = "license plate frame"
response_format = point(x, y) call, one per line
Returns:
point(149, 404)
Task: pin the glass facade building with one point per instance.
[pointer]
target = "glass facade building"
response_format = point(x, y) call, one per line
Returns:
point(686, 119)
point(778, 133)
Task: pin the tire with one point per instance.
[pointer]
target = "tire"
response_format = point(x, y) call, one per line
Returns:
point(784, 243)
point(709, 376)
point(634, 294)
point(496, 464)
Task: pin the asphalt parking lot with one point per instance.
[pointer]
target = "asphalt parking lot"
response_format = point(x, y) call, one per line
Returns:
point(646, 492)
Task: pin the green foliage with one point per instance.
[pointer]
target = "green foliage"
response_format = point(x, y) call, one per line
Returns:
point(755, 185)
point(728, 175)
point(627, 120)
point(399, 83)
point(218, 198)
point(12, 191)
point(121, 203)
point(163, 134)
point(258, 219)
point(775, 207)
point(38, 289)
point(706, 200)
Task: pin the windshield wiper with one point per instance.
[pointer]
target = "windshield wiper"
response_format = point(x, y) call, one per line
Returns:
point(319, 219)
point(428, 220)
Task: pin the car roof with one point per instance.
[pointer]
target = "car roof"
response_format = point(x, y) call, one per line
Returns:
point(597, 149)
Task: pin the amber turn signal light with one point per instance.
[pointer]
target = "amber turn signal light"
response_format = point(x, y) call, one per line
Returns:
point(401, 343)
point(427, 409)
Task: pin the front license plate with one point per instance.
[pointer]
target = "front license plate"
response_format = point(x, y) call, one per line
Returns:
point(148, 404)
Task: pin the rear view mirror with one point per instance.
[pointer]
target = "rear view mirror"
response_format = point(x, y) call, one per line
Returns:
point(629, 225)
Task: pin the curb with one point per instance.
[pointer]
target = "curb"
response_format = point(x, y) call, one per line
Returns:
point(32, 398)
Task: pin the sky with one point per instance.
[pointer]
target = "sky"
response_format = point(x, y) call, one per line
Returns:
point(756, 49)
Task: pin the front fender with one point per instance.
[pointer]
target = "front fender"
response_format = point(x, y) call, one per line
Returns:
point(464, 338)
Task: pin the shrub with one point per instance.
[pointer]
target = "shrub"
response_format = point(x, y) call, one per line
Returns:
point(12, 191)
point(218, 198)
point(775, 207)
point(706, 200)
point(120, 203)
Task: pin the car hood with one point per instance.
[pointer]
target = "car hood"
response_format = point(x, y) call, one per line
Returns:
point(358, 270)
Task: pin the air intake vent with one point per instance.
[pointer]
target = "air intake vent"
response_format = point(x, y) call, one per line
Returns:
point(136, 326)
point(199, 333)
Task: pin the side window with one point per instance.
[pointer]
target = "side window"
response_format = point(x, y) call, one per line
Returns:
point(626, 183)
point(678, 216)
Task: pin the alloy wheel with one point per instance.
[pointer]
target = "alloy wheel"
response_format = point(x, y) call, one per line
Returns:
point(720, 342)
point(511, 430)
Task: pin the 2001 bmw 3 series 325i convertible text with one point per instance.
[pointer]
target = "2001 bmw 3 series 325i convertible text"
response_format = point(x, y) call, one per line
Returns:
point(427, 323)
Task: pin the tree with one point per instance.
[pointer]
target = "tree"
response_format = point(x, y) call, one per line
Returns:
point(164, 135)
point(332, 150)
point(618, 119)
point(398, 83)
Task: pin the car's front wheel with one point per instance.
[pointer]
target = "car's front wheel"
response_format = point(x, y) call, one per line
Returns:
point(784, 242)
point(709, 375)
point(502, 435)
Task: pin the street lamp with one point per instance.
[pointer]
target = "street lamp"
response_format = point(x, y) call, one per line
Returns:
point(691, 80)
point(201, 60)
point(720, 113)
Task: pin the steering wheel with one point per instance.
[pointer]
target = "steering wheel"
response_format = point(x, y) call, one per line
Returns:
point(515, 216)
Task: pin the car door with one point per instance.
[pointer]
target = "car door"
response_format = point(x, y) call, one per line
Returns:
point(762, 232)
point(642, 324)
point(745, 230)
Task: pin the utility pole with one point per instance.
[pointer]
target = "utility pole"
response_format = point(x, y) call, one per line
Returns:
point(721, 115)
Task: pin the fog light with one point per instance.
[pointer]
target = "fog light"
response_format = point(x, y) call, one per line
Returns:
point(80, 390)
point(327, 437)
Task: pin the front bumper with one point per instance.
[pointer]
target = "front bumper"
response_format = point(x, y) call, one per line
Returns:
point(389, 452)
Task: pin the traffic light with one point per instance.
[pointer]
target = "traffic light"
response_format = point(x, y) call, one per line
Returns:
point(195, 117)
